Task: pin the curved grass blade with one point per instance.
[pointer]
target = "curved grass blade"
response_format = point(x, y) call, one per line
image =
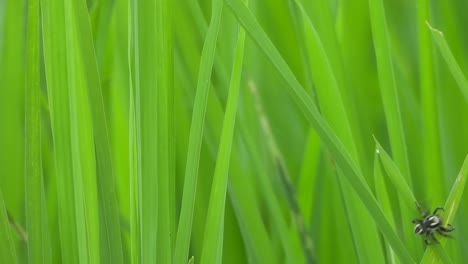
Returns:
point(213, 239)
point(195, 139)
point(447, 54)
point(343, 159)
point(451, 206)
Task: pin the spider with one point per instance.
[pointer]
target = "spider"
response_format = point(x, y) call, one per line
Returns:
point(429, 224)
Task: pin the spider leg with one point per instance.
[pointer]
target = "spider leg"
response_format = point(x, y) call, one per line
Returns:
point(434, 238)
point(424, 214)
point(427, 241)
point(447, 229)
point(416, 221)
point(442, 233)
point(438, 209)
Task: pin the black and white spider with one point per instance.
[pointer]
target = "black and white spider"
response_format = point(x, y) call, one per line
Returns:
point(429, 224)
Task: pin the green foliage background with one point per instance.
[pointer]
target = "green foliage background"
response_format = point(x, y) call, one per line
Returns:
point(281, 131)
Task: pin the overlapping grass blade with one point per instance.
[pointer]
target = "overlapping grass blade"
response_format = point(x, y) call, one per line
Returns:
point(55, 57)
point(110, 239)
point(195, 138)
point(451, 207)
point(449, 58)
point(243, 196)
point(213, 239)
point(342, 157)
point(396, 178)
point(336, 114)
point(81, 146)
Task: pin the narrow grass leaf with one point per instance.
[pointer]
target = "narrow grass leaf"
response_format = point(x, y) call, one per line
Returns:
point(396, 177)
point(214, 230)
point(388, 85)
point(429, 105)
point(146, 113)
point(390, 99)
point(195, 138)
point(164, 72)
point(38, 250)
point(449, 58)
point(248, 21)
point(451, 207)
point(384, 199)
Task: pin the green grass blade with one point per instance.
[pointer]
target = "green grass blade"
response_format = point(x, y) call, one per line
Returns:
point(308, 177)
point(336, 113)
point(385, 201)
point(447, 54)
point(243, 196)
point(132, 145)
point(81, 147)
point(110, 241)
point(388, 85)
point(164, 71)
point(396, 178)
point(391, 100)
point(306, 104)
point(7, 250)
point(145, 63)
point(451, 207)
point(195, 138)
point(214, 230)
point(53, 26)
point(38, 249)
point(429, 105)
